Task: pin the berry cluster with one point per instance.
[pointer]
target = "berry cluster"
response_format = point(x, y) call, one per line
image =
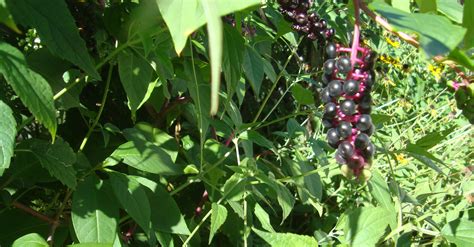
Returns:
point(314, 27)
point(347, 99)
point(464, 98)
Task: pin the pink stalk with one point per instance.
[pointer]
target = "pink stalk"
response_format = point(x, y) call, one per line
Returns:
point(355, 39)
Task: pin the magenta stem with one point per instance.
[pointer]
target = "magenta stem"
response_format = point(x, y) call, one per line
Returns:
point(355, 39)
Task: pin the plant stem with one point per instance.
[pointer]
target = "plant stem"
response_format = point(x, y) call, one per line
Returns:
point(101, 109)
point(33, 212)
point(58, 215)
point(356, 37)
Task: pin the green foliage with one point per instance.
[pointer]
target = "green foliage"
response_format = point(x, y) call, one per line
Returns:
point(149, 148)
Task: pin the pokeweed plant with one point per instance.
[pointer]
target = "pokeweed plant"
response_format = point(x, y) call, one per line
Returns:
point(236, 123)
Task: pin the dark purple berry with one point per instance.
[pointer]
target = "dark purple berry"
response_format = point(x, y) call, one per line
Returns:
point(370, 130)
point(331, 50)
point(364, 123)
point(335, 88)
point(333, 137)
point(327, 123)
point(343, 65)
point(344, 129)
point(330, 110)
point(362, 141)
point(369, 151)
point(346, 149)
point(351, 87)
point(325, 96)
point(348, 107)
point(329, 66)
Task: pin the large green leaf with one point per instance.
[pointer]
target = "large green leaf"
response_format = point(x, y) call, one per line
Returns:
point(459, 232)
point(218, 217)
point(56, 29)
point(32, 89)
point(427, 5)
point(132, 196)
point(302, 95)
point(30, 240)
point(437, 35)
point(7, 136)
point(144, 156)
point(90, 245)
point(6, 18)
point(135, 74)
point(232, 58)
point(183, 17)
point(365, 226)
point(94, 215)
point(263, 217)
point(286, 239)
point(379, 190)
point(57, 158)
point(253, 68)
point(451, 9)
point(165, 216)
point(468, 22)
point(402, 5)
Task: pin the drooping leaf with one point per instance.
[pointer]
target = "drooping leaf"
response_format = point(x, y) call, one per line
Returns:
point(57, 158)
point(302, 95)
point(165, 216)
point(132, 196)
point(437, 35)
point(32, 89)
point(7, 136)
point(365, 226)
point(94, 216)
point(144, 156)
point(232, 58)
point(253, 68)
point(57, 30)
point(183, 17)
point(263, 217)
point(459, 232)
point(286, 239)
point(135, 74)
point(452, 10)
point(218, 217)
point(30, 240)
point(468, 23)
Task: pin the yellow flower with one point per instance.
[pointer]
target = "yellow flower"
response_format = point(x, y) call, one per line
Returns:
point(402, 160)
point(387, 82)
point(395, 44)
point(435, 70)
point(390, 60)
point(404, 103)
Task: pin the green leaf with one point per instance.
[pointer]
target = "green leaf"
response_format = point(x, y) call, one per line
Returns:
point(144, 156)
point(468, 22)
point(90, 245)
point(257, 138)
point(403, 5)
point(214, 31)
point(32, 89)
point(57, 158)
point(7, 136)
point(437, 35)
point(234, 47)
point(31, 240)
point(424, 156)
point(286, 239)
point(165, 216)
point(146, 132)
point(56, 28)
point(427, 5)
point(451, 9)
point(132, 197)
point(6, 18)
point(365, 226)
point(302, 95)
point(135, 74)
point(94, 216)
point(459, 232)
point(461, 58)
point(218, 217)
point(263, 217)
point(380, 191)
point(183, 17)
point(253, 68)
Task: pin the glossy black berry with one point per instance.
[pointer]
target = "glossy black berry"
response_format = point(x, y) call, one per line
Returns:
point(344, 129)
point(364, 123)
point(370, 131)
point(331, 50)
point(333, 137)
point(325, 79)
point(346, 149)
point(369, 151)
point(351, 87)
point(348, 107)
point(343, 65)
point(330, 110)
point(362, 141)
point(327, 123)
point(329, 66)
point(325, 96)
point(335, 88)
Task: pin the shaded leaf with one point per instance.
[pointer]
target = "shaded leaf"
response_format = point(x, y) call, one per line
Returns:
point(263, 217)
point(286, 239)
point(302, 95)
point(253, 68)
point(30, 240)
point(459, 232)
point(365, 226)
point(7, 136)
point(94, 216)
point(218, 217)
point(57, 30)
point(32, 89)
